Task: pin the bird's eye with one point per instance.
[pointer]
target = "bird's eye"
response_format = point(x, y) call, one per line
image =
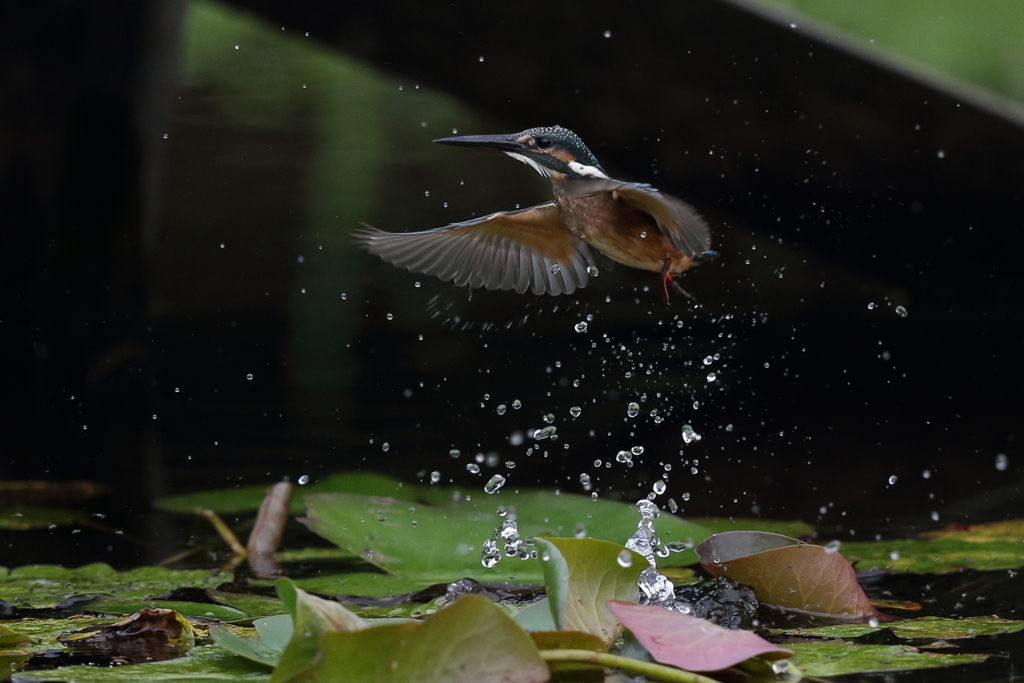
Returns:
point(544, 143)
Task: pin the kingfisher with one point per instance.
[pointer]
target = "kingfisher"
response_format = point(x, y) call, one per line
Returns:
point(547, 249)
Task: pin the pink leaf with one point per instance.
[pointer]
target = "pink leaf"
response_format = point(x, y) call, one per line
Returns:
point(688, 642)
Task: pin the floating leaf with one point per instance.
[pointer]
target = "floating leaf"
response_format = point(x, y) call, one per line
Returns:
point(312, 617)
point(274, 634)
point(788, 574)
point(10, 638)
point(22, 518)
point(688, 642)
point(146, 636)
point(471, 641)
point(836, 658)
point(581, 575)
point(938, 628)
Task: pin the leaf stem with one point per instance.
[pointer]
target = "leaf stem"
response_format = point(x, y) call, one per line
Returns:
point(657, 672)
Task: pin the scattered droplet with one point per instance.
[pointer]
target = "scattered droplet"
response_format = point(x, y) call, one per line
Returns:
point(555, 269)
point(585, 479)
point(637, 450)
point(712, 377)
point(473, 468)
point(935, 515)
point(873, 622)
point(576, 410)
point(832, 546)
point(892, 479)
point(690, 436)
point(303, 480)
point(624, 558)
point(516, 404)
point(385, 446)
point(659, 487)
point(1002, 462)
point(501, 409)
point(549, 418)
point(455, 452)
point(633, 409)
point(592, 271)
point(435, 477)
point(901, 311)
point(249, 376)
point(894, 554)
point(624, 456)
point(495, 483)
point(581, 326)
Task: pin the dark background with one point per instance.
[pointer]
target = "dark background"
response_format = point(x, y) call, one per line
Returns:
point(173, 223)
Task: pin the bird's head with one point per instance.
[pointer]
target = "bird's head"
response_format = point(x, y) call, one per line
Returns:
point(552, 151)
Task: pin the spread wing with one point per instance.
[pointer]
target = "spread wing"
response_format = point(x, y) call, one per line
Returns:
point(682, 226)
point(515, 250)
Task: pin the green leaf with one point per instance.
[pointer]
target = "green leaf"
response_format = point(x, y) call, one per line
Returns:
point(43, 585)
point(248, 498)
point(938, 628)
point(22, 518)
point(581, 575)
point(471, 641)
point(10, 638)
point(274, 633)
point(836, 658)
point(312, 617)
point(200, 665)
point(536, 616)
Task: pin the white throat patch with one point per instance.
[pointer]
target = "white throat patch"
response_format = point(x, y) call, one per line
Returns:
point(544, 171)
point(586, 171)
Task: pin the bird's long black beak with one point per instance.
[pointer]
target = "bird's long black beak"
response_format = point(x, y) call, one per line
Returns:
point(504, 143)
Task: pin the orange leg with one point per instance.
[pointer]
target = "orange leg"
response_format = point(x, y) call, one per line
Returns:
point(668, 279)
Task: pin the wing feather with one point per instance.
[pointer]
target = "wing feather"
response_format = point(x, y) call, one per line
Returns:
point(515, 250)
point(679, 222)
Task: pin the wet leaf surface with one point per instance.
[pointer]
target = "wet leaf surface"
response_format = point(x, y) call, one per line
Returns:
point(146, 636)
point(836, 658)
point(690, 643)
point(581, 576)
point(471, 641)
point(935, 628)
point(799, 578)
point(22, 518)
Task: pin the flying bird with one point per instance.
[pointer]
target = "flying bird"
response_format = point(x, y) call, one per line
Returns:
point(547, 248)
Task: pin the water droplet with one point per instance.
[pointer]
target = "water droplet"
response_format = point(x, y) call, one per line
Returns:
point(555, 269)
point(165, 136)
point(585, 479)
point(690, 436)
point(1002, 462)
point(624, 456)
point(832, 546)
point(544, 433)
point(481, 58)
point(892, 479)
point(926, 474)
point(781, 666)
point(579, 530)
point(549, 418)
point(659, 487)
point(385, 446)
point(941, 154)
point(390, 316)
point(501, 511)
point(901, 311)
point(624, 558)
point(473, 468)
point(581, 326)
point(673, 507)
point(455, 452)
point(516, 404)
point(633, 409)
point(871, 305)
point(303, 480)
point(686, 496)
point(495, 483)
point(435, 477)
point(576, 410)
point(712, 377)
point(643, 234)
point(873, 622)
point(249, 376)
point(427, 193)
point(501, 409)
point(592, 271)
point(894, 554)
point(935, 515)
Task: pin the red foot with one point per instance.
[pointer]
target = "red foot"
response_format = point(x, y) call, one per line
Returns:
point(668, 280)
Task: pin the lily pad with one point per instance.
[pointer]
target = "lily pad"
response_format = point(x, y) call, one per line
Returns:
point(691, 643)
point(22, 518)
point(581, 575)
point(937, 555)
point(790, 575)
point(471, 641)
point(273, 636)
point(937, 628)
point(836, 658)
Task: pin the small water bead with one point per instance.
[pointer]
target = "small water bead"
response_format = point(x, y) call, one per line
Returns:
point(708, 360)
point(516, 404)
point(455, 452)
point(780, 667)
point(510, 464)
point(585, 479)
point(303, 480)
point(249, 376)
point(935, 515)
point(686, 496)
point(545, 433)
point(549, 418)
point(473, 468)
point(690, 436)
point(608, 34)
point(592, 271)
point(579, 530)
point(832, 546)
point(576, 410)
point(873, 622)
point(637, 450)
point(624, 558)
point(435, 477)
point(593, 496)
point(892, 479)
point(1002, 462)
point(624, 456)
point(581, 326)
point(633, 409)
point(555, 269)
point(501, 511)
point(901, 311)
point(385, 446)
point(495, 483)
point(894, 554)
point(501, 409)
point(926, 474)
point(659, 487)
point(672, 506)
